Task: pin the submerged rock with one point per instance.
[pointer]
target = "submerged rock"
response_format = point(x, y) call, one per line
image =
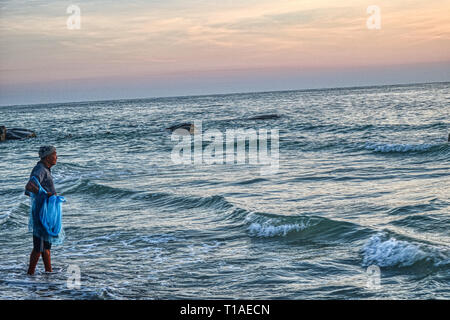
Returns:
point(15, 133)
point(186, 126)
point(265, 117)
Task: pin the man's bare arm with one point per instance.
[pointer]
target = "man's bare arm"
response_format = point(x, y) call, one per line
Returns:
point(31, 187)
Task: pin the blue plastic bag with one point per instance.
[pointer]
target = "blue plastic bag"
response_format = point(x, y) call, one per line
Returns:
point(46, 215)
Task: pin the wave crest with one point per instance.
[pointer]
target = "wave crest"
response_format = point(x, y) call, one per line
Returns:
point(391, 252)
point(268, 230)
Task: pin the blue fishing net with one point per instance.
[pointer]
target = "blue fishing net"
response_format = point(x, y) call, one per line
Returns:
point(46, 215)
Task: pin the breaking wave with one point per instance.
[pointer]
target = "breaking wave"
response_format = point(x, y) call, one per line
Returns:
point(385, 251)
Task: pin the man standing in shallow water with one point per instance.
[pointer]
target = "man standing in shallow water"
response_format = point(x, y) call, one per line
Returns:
point(42, 172)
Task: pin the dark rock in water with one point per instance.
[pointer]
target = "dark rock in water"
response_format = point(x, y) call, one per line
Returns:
point(265, 117)
point(18, 133)
point(2, 133)
point(186, 126)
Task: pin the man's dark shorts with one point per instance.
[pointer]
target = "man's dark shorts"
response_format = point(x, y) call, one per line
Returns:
point(39, 245)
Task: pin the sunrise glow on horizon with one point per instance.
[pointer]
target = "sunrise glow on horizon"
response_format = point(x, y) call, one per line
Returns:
point(157, 48)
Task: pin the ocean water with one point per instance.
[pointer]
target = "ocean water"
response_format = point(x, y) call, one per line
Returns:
point(358, 207)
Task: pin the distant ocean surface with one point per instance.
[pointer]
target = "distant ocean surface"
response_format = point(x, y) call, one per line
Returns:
point(359, 208)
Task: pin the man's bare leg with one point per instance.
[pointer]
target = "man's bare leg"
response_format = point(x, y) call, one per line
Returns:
point(47, 260)
point(34, 258)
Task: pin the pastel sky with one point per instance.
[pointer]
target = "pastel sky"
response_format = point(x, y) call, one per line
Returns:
point(137, 48)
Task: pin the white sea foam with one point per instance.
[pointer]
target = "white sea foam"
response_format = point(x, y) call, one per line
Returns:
point(268, 230)
point(63, 177)
point(391, 252)
point(387, 147)
point(152, 239)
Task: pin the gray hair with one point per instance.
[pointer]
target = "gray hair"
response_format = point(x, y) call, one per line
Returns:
point(46, 151)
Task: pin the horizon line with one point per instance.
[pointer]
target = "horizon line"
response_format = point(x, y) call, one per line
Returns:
point(230, 93)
